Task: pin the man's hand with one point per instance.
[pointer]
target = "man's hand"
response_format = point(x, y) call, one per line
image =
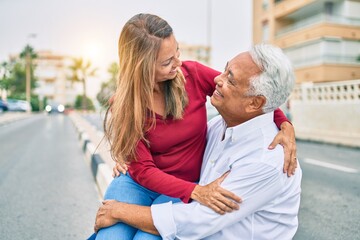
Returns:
point(104, 217)
point(286, 138)
point(215, 197)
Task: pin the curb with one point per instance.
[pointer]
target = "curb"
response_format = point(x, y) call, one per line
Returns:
point(6, 118)
point(100, 170)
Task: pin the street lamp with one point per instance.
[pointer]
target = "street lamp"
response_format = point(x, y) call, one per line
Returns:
point(208, 29)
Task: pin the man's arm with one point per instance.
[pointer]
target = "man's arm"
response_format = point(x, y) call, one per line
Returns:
point(258, 184)
point(137, 216)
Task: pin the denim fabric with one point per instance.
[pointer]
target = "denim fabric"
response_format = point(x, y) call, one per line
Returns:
point(125, 189)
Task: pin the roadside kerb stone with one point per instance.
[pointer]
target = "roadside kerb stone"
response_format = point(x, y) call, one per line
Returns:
point(10, 117)
point(96, 151)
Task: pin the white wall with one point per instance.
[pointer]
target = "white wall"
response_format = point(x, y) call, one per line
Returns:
point(317, 117)
point(351, 9)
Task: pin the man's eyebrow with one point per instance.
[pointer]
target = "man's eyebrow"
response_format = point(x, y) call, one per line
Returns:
point(227, 63)
point(229, 70)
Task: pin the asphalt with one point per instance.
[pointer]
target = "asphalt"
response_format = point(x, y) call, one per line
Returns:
point(95, 147)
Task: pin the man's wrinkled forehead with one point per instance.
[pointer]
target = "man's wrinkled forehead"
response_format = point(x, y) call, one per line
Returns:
point(243, 64)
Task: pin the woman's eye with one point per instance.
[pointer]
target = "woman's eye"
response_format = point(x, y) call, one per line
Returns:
point(166, 64)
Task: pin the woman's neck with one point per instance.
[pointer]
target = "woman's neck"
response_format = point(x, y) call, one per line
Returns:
point(159, 99)
point(159, 88)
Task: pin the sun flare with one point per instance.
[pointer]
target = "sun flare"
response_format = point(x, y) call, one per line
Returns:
point(91, 51)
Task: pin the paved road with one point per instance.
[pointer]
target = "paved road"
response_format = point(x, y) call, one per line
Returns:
point(47, 190)
point(330, 190)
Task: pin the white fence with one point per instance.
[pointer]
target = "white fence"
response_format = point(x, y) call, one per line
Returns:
point(327, 112)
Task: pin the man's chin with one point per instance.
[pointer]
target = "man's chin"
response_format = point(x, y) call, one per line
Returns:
point(213, 101)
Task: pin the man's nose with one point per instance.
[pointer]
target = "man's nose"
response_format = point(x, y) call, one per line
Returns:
point(218, 80)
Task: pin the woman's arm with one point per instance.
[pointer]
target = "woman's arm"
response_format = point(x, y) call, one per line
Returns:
point(285, 137)
point(147, 174)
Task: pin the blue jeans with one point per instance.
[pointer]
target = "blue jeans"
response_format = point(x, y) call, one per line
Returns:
point(125, 189)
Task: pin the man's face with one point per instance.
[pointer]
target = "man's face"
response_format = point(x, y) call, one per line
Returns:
point(230, 96)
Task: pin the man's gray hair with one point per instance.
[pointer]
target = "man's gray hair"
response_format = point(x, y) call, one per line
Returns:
point(276, 80)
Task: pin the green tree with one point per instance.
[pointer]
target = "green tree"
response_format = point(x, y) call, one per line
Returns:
point(79, 101)
point(5, 73)
point(108, 88)
point(28, 50)
point(80, 71)
point(14, 77)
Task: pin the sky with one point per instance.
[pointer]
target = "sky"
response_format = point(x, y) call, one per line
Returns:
point(90, 28)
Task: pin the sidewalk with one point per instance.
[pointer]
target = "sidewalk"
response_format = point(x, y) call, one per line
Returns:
point(9, 117)
point(96, 150)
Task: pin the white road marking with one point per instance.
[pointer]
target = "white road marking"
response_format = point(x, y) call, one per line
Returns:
point(330, 165)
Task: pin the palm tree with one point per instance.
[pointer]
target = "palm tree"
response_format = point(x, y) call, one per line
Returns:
point(28, 54)
point(4, 70)
point(80, 71)
point(108, 88)
point(28, 50)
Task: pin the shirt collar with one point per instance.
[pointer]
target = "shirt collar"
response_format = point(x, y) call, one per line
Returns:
point(243, 129)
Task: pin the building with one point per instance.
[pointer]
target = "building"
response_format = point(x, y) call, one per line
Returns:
point(198, 53)
point(321, 37)
point(52, 74)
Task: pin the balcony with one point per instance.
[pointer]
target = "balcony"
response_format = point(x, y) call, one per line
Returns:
point(318, 19)
point(283, 8)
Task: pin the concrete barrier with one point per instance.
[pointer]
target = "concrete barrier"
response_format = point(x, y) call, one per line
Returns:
point(96, 152)
point(327, 112)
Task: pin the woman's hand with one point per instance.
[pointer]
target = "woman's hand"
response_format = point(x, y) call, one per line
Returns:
point(286, 137)
point(104, 217)
point(119, 168)
point(215, 197)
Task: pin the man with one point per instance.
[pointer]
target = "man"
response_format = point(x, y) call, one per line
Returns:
point(252, 86)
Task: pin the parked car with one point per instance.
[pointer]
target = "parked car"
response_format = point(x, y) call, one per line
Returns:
point(16, 105)
point(3, 106)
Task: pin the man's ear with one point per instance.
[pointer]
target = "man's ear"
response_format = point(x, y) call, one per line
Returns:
point(257, 103)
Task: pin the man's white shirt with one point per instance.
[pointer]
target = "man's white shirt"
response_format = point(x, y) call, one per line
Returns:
point(270, 199)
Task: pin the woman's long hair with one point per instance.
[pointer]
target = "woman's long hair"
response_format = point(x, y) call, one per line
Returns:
point(129, 115)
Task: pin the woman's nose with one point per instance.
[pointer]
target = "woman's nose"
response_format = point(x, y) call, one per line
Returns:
point(178, 62)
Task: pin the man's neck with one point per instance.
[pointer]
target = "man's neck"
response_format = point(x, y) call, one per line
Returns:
point(232, 121)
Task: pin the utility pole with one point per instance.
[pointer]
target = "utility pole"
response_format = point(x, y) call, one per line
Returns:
point(208, 29)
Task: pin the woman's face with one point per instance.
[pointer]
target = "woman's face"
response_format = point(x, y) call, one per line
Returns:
point(167, 60)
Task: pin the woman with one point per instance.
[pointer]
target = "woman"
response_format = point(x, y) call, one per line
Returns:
point(158, 124)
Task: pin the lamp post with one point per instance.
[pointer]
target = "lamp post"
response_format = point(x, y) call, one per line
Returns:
point(208, 30)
